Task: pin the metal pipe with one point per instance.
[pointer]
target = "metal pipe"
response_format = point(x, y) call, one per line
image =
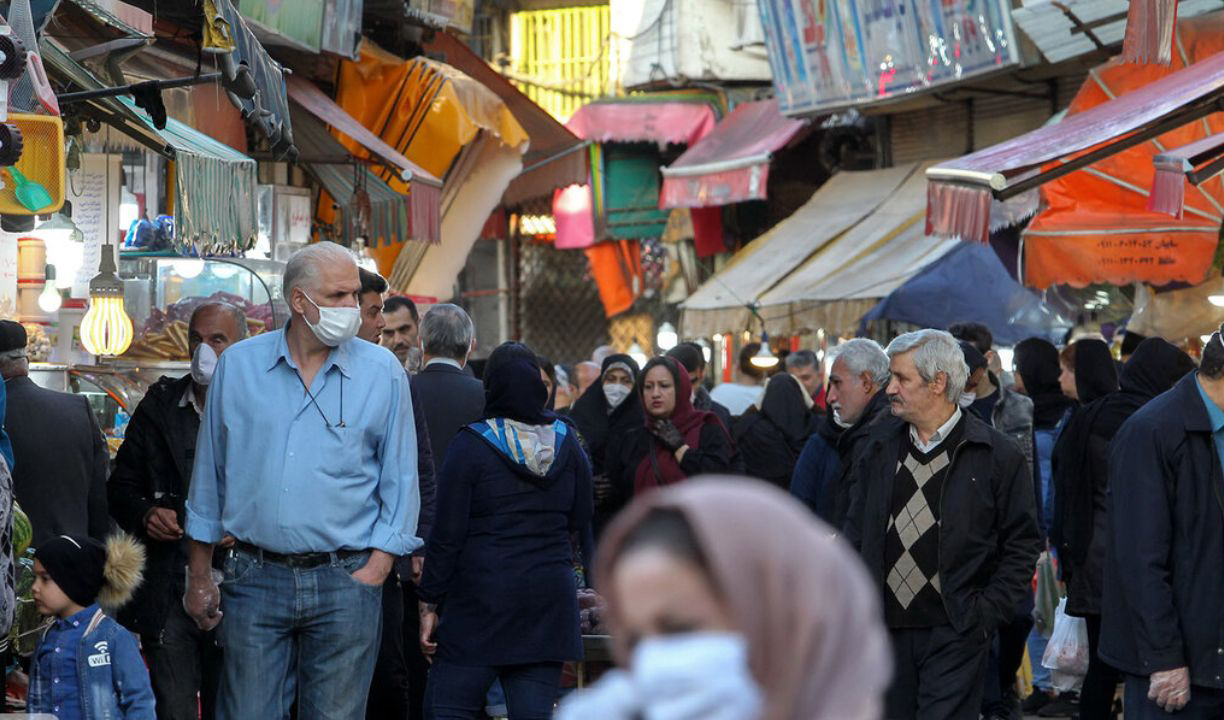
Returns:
point(159, 85)
point(1171, 122)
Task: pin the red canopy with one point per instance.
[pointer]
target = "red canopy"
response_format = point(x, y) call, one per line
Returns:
point(959, 195)
point(731, 164)
point(667, 122)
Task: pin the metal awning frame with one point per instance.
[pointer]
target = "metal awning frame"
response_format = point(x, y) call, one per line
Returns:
point(998, 183)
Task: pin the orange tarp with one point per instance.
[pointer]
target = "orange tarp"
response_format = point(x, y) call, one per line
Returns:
point(1095, 226)
point(425, 109)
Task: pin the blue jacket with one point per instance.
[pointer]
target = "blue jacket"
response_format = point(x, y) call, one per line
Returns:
point(500, 563)
point(110, 676)
point(821, 478)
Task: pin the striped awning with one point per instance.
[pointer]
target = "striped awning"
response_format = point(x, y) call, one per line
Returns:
point(388, 221)
point(214, 190)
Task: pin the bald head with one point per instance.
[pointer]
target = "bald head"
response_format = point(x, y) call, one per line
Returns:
point(588, 373)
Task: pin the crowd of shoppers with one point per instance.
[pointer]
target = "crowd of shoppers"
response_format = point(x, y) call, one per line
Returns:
point(339, 519)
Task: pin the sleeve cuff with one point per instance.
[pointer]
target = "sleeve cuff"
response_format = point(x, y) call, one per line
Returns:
point(202, 529)
point(391, 541)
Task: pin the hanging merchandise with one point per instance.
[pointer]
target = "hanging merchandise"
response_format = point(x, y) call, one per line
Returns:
point(33, 148)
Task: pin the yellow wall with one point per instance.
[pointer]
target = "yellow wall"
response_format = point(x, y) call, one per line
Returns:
point(560, 58)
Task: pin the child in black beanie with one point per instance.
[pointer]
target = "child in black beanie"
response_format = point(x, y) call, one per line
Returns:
point(86, 665)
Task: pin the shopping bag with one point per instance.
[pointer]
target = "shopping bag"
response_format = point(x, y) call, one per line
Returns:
point(1066, 655)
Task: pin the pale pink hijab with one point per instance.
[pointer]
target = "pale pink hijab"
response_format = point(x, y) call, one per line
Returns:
point(801, 597)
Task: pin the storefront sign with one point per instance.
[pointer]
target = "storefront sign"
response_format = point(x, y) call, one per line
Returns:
point(832, 54)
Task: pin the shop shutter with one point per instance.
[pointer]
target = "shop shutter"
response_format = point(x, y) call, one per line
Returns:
point(930, 134)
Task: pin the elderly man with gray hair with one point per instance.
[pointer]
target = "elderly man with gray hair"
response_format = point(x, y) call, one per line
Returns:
point(307, 457)
point(942, 511)
point(858, 372)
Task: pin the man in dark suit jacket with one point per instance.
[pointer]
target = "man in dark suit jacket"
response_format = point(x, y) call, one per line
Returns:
point(450, 397)
point(59, 454)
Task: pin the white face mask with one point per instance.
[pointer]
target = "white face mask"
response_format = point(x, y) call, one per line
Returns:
point(203, 363)
point(615, 394)
point(696, 675)
point(967, 399)
point(837, 419)
point(337, 325)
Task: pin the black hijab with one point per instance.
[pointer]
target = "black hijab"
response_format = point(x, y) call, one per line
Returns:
point(1153, 369)
point(590, 413)
point(1038, 366)
point(1096, 373)
point(784, 407)
point(513, 387)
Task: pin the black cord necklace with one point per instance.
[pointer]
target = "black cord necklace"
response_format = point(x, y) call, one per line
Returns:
point(315, 402)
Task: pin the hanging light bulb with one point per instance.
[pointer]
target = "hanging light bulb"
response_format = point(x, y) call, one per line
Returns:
point(637, 353)
point(667, 337)
point(65, 245)
point(49, 300)
point(106, 328)
point(188, 268)
point(764, 357)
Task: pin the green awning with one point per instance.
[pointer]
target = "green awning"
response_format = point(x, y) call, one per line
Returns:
point(325, 159)
point(214, 190)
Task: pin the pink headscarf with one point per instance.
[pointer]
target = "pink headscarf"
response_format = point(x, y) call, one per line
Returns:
point(801, 597)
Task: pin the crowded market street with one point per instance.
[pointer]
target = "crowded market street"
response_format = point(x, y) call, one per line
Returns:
point(612, 359)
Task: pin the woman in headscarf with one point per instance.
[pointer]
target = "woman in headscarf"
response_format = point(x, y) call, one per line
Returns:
point(1088, 370)
point(675, 440)
point(1037, 371)
point(729, 601)
point(609, 408)
point(771, 437)
point(1080, 472)
point(499, 583)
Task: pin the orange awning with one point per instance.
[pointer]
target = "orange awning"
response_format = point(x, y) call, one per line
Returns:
point(1097, 225)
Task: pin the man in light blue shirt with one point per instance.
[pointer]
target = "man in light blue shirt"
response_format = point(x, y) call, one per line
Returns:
point(307, 457)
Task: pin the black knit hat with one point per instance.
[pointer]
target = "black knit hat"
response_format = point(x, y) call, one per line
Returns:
point(12, 336)
point(76, 564)
point(973, 357)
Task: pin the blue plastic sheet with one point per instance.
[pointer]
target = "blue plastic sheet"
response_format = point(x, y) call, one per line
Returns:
point(970, 284)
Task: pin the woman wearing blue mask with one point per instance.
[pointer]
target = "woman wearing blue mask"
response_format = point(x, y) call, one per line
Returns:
point(729, 601)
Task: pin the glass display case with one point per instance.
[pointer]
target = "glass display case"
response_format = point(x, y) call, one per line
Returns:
point(161, 292)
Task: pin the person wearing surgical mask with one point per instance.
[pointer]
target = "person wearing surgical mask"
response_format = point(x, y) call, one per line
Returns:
point(607, 409)
point(716, 618)
point(146, 495)
point(307, 455)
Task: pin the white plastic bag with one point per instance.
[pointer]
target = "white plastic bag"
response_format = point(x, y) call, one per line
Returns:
point(1066, 655)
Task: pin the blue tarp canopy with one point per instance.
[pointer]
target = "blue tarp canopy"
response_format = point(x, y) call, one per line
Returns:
point(970, 284)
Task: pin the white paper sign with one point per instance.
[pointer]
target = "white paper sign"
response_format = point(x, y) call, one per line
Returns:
point(94, 193)
point(8, 275)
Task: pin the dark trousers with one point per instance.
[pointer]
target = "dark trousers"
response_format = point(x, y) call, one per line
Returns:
point(1101, 682)
point(1006, 656)
point(457, 692)
point(1205, 703)
point(417, 665)
point(389, 686)
point(938, 674)
point(184, 668)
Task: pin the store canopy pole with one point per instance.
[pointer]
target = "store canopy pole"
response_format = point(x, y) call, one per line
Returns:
point(136, 88)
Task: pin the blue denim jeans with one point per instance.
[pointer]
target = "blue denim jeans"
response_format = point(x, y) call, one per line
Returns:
point(290, 632)
point(458, 692)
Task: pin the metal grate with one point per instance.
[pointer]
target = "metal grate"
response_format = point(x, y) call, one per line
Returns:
point(559, 58)
point(557, 311)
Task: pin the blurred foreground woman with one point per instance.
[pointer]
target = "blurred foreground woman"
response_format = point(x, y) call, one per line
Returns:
point(729, 601)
